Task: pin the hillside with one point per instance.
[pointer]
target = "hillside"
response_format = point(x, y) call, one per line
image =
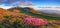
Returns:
point(34, 13)
point(12, 18)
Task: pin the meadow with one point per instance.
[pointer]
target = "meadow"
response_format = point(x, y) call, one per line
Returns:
point(27, 18)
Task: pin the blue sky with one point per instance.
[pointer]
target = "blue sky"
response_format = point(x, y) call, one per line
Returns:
point(36, 3)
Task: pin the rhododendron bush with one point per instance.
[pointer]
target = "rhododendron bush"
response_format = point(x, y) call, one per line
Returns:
point(17, 19)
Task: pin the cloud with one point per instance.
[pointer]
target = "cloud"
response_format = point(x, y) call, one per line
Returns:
point(14, 3)
point(25, 4)
point(2, 1)
point(5, 7)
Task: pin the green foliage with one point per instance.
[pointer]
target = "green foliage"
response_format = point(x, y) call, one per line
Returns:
point(17, 23)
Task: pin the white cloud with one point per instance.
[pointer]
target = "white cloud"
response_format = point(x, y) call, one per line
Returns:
point(5, 7)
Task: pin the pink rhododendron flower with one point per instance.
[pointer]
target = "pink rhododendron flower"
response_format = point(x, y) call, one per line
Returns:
point(2, 19)
point(35, 22)
point(58, 23)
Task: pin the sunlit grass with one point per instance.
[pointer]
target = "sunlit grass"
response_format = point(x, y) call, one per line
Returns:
point(13, 19)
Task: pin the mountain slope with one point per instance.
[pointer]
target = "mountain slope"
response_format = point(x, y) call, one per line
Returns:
point(34, 13)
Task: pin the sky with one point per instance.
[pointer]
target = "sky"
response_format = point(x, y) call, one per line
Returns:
point(29, 3)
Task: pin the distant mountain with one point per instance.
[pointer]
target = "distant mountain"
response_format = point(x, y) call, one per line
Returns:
point(50, 11)
point(26, 10)
point(19, 8)
point(23, 10)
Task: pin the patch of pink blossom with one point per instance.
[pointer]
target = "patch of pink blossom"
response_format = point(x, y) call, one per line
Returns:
point(58, 23)
point(35, 22)
point(2, 19)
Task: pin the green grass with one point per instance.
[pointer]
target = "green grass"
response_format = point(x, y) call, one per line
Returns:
point(40, 16)
point(26, 11)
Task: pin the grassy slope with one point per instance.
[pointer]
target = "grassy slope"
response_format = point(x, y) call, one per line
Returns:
point(28, 12)
point(34, 14)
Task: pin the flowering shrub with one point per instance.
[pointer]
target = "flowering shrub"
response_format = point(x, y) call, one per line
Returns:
point(2, 19)
point(58, 23)
point(15, 19)
point(35, 22)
